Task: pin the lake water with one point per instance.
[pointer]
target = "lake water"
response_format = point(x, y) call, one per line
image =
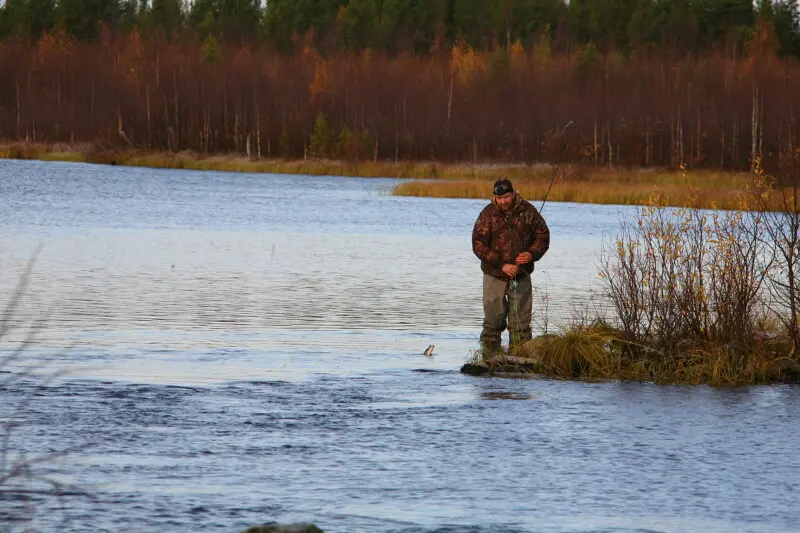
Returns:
point(236, 349)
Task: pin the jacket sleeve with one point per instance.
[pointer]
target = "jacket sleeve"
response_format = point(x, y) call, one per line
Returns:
point(481, 241)
point(540, 238)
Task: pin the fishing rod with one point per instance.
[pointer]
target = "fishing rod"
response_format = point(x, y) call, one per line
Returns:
point(558, 166)
point(513, 282)
point(555, 173)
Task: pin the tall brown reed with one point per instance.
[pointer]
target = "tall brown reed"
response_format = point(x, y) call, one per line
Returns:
point(681, 276)
point(782, 193)
point(695, 296)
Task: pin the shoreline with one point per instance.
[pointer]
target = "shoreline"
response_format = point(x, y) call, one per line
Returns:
point(594, 355)
point(573, 183)
point(579, 351)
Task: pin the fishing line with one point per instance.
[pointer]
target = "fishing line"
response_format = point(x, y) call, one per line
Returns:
point(512, 283)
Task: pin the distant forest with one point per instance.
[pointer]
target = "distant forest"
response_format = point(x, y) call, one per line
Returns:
point(708, 83)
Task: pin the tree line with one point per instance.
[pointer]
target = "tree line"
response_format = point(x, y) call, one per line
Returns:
point(410, 80)
point(395, 26)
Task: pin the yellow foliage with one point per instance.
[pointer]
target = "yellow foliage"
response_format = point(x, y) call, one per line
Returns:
point(542, 52)
point(51, 45)
point(517, 55)
point(517, 50)
point(322, 80)
point(367, 55)
point(310, 53)
point(130, 60)
point(465, 64)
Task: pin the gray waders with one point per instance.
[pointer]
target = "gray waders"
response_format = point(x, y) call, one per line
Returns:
point(504, 305)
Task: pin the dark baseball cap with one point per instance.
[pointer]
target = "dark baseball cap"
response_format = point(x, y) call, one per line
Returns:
point(502, 187)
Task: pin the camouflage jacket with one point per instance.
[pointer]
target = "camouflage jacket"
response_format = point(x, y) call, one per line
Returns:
point(499, 237)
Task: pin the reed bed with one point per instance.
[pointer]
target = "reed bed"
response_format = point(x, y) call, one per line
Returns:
point(220, 162)
point(693, 296)
point(574, 183)
point(275, 166)
point(598, 351)
point(590, 192)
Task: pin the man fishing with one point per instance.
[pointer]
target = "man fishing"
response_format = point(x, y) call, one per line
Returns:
point(509, 236)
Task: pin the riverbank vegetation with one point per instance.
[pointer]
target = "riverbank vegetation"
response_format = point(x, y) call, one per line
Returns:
point(645, 84)
point(692, 296)
point(572, 183)
point(706, 189)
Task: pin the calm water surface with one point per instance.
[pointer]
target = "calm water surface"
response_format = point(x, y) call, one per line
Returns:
point(245, 348)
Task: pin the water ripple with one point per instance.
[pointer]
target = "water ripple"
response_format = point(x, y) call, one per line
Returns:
point(236, 357)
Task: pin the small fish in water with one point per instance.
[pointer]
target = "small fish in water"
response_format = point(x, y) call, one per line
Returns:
point(429, 350)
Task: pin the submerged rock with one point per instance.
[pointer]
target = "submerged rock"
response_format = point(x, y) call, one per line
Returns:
point(503, 365)
point(284, 528)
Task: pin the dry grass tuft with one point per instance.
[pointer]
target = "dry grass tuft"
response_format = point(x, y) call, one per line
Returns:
point(591, 352)
point(577, 351)
point(705, 189)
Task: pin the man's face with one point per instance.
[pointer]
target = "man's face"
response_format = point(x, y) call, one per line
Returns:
point(504, 202)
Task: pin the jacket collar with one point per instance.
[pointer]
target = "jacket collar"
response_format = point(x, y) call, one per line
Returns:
point(514, 206)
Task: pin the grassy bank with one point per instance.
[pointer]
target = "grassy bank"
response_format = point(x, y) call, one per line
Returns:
point(239, 163)
point(604, 187)
point(599, 352)
point(442, 180)
point(689, 296)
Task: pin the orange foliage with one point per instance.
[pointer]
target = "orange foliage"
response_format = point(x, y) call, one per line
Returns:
point(465, 64)
point(639, 111)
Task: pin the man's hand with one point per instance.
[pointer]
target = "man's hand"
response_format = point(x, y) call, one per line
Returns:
point(524, 257)
point(510, 270)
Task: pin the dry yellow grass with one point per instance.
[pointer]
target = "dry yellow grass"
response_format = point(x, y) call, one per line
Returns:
point(456, 180)
point(593, 192)
point(596, 351)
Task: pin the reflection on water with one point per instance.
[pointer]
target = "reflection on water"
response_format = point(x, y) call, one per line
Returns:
point(238, 356)
point(504, 395)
